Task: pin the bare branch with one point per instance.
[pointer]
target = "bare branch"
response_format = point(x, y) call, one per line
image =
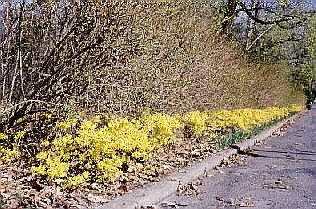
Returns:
point(264, 22)
point(22, 103)
point(260, 36)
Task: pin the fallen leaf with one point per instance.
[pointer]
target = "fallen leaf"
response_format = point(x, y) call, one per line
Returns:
point(220, 198)
point(168, 204)
point(149, 207)
point(96, 199)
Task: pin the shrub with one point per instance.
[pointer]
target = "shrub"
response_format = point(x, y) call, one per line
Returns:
point(123, 58)
point(96, 152)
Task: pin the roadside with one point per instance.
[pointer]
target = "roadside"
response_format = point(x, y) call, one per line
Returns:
point(166, 190)
point(179, 161)
point(281, 173)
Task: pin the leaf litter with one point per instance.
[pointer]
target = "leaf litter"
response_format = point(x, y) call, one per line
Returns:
point(19, 188)
point(237, 202)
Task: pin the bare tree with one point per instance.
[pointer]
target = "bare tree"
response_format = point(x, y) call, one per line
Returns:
point(47, 52)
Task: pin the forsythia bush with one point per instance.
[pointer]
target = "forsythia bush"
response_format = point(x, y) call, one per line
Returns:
point(97, 150)
point(9, 154)
point(197, 122)
point(101, 151)
point(244, 119)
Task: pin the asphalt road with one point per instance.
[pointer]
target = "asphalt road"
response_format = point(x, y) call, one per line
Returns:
point(283, 176)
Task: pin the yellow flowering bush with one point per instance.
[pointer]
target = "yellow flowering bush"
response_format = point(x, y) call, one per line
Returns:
point(7, 155)
point(3, 136)
point(197, 122)
point(97, 149)
point(295, 108)
point(102, 150)
point(64, 126)
point(245, 119)
point(160, 128)
point(19, 135)
point(75, 181)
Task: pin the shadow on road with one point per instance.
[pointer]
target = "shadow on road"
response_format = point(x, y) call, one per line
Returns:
point(287, 156)
point(282, 152)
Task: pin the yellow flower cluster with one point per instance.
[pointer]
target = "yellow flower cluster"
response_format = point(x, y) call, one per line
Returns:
point(101, 151)
point(244, 119)
point(197, 122)
point(223, 121)
point(88, 150)
point(161, 128)
point(7, 155)
point(3, 136)
point(19, 135)
point(75, 181)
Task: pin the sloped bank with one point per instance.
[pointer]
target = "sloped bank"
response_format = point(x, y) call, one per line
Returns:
point(104, 158)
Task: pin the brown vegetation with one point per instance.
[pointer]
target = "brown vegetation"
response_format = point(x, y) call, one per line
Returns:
point(126, 58)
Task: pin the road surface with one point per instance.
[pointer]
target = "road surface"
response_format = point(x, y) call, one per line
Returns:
point(280, 175)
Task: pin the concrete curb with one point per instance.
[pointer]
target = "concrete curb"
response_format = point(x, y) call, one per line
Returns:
point(155, 192)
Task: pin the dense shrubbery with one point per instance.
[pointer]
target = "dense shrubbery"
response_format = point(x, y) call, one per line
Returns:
point(125, 58)
point(101, 149)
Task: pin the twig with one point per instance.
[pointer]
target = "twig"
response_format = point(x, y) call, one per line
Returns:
point(26, 101)
point(262, 34)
